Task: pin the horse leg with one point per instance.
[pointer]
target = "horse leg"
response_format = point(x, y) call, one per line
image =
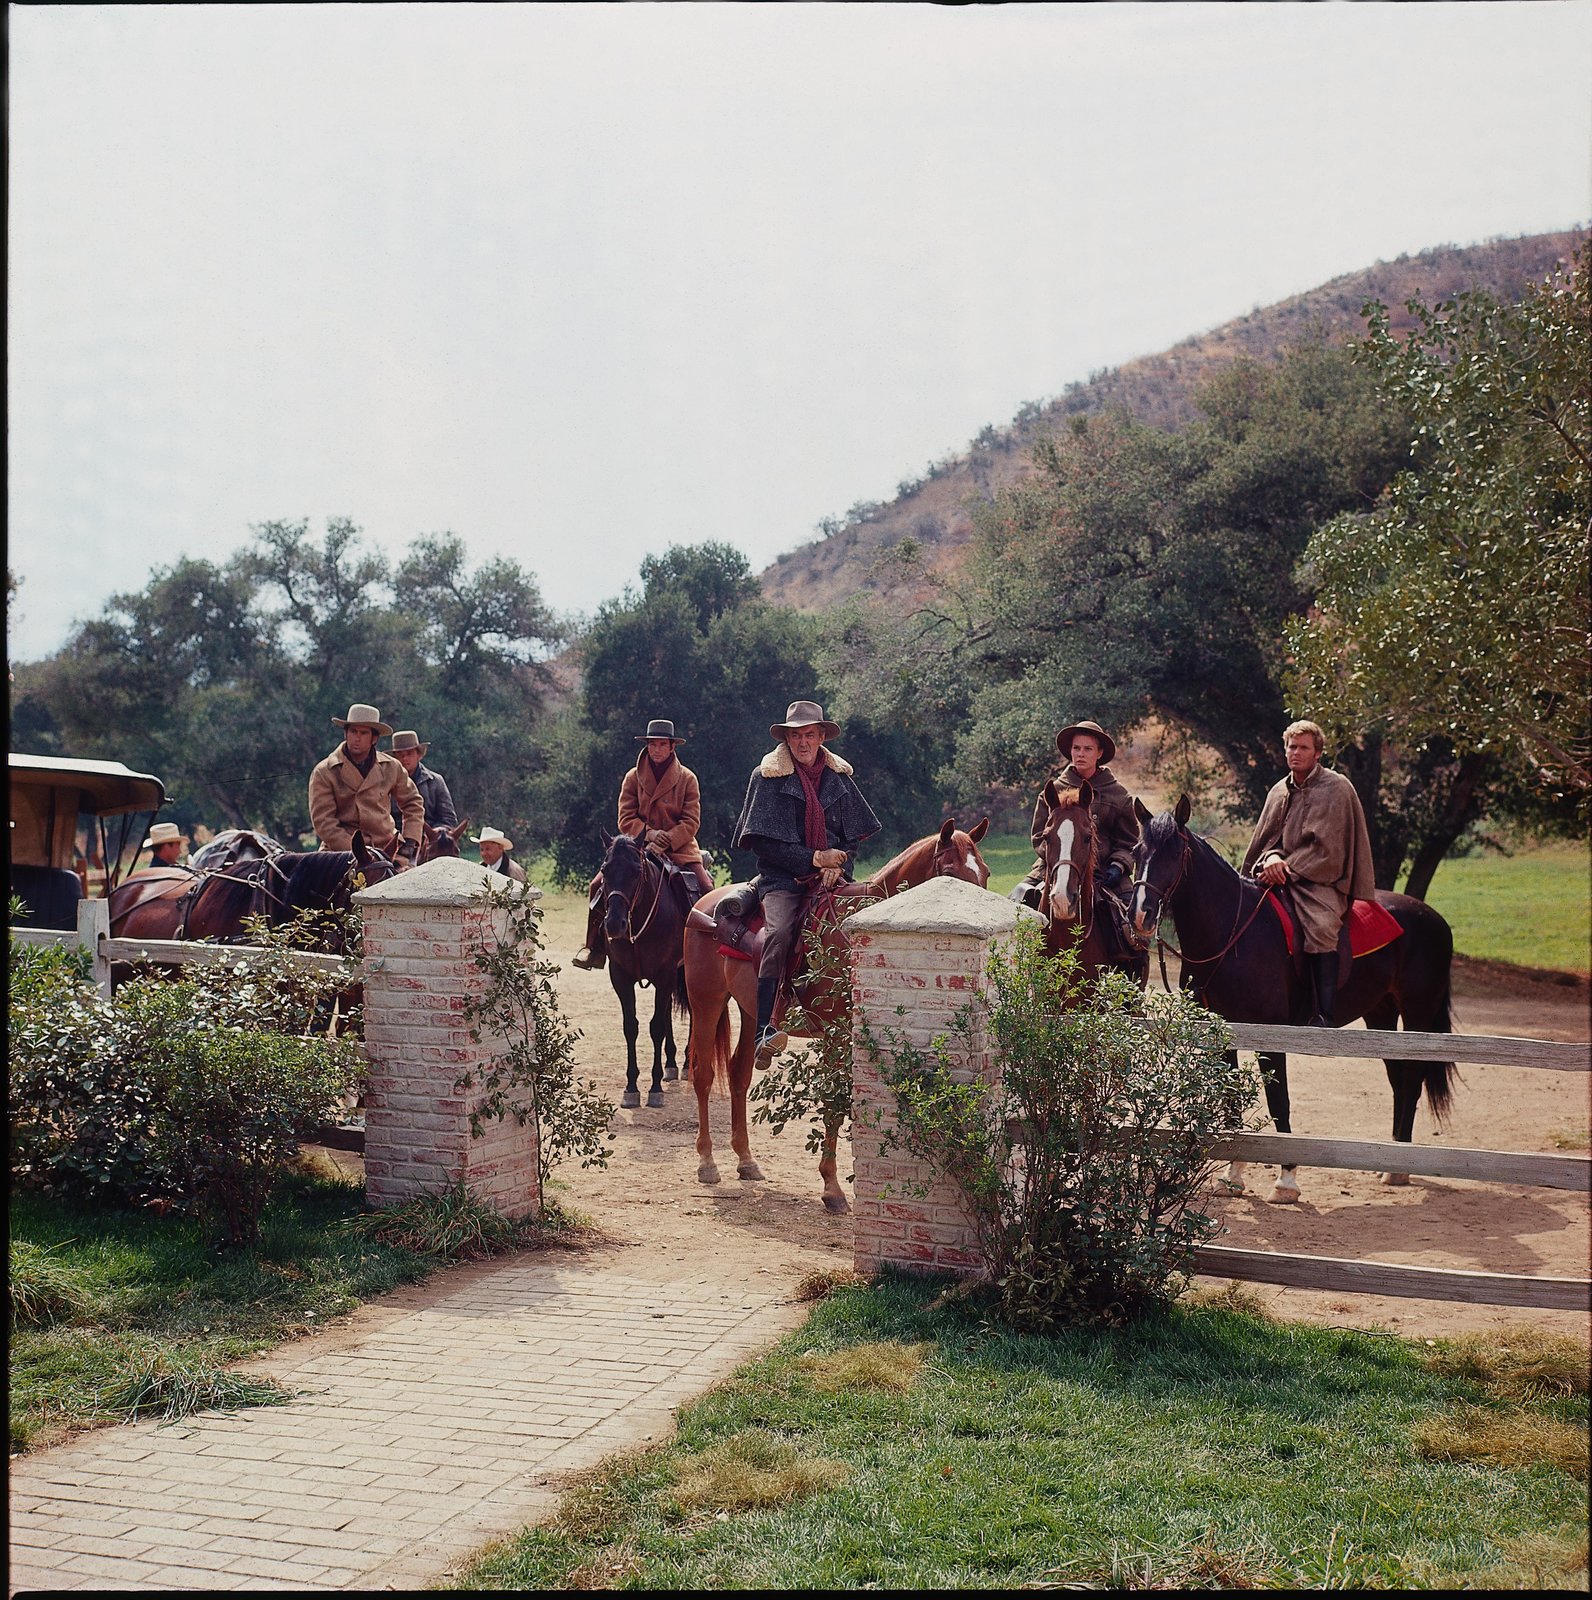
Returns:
point(1274, 1075)
point(660, 1033)
point(740, 1082)
point(834, 1196)
point(1406, 1078)
point(1232, 1182)
point(625, 988)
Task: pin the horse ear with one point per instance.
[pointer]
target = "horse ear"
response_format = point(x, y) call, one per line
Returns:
point(1085, 794)
point(358, 847)
point(1181, 815)
point(978, 830)
point(1142, 812)
point(947, 829)
point(607, 838)
point(1048, 793)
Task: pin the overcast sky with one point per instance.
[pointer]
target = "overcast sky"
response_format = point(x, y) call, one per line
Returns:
point(580, 282)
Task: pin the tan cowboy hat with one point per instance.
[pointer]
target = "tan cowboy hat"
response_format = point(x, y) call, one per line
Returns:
point(1108, 745)
point(494, 836)
point(162, 833)
point(363, 717)
point(408, 739)
point(803, 714)
point(660, 728)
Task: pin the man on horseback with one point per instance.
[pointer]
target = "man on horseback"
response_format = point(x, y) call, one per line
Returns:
point(1086, 748)
point(358, 787)
point(804, 818)
point(660, 803)
point(1312, 836)
point(411, 753)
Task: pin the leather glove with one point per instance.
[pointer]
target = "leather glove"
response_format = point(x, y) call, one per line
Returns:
point(657, 839)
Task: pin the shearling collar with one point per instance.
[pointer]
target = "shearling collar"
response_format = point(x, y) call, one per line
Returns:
point(780, 763)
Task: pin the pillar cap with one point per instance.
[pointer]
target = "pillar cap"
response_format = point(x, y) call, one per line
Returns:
point(942, 905)
point(446, 881)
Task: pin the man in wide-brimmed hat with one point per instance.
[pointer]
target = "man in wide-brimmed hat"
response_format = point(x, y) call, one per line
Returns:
point(660, 803)
point(359, 787)
point(803, 818)
point(495, 846)
point(410, 753)
point(164, 845)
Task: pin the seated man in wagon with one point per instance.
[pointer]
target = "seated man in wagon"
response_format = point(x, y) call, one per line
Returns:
point(356, 788)
point(803, 818)
point(164, 845)
point(660, 803)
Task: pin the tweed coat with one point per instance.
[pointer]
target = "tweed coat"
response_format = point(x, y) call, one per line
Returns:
point(672, 804)
point(342, 800)
point(772, 817)
point(434, 795)
point(1319, 830)
point(1116, 827)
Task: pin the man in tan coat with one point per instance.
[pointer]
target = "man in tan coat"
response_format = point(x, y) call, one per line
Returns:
point(660, 803)
point(1312, 836)
point(357, 785)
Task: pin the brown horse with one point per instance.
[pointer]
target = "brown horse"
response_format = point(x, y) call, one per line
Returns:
point(233, 844)
point(713, 980)
point(435, 842)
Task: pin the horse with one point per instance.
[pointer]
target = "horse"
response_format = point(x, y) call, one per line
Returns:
point(214, 905)
point(713, 980)
point(231, 845)
point(1235, 959)
point(435, 842)
point(643, 923)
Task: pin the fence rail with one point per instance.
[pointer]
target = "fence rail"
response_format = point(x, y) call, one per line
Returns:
point(1481, 1049)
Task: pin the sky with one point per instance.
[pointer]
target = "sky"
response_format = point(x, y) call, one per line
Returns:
point(580, 282)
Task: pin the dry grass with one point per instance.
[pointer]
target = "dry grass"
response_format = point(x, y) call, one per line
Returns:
point(1511, 1439)
point(821, 1284)
point(1519, 1363)
point(1232, 1296)
point(884, 1364)
point(1541, 1562)
point(1572, 1136)
point(317, 1162)
point(750, 1471)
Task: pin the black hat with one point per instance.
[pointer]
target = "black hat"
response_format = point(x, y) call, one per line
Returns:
point(660, 728)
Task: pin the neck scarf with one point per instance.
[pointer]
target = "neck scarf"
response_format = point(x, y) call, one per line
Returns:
point(816, 834)
point(659, 768)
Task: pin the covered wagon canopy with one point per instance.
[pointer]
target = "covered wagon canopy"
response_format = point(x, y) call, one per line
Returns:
point(49, 792)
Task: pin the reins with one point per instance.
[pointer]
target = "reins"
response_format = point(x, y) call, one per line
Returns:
point(634, 936)
point(1163, 943)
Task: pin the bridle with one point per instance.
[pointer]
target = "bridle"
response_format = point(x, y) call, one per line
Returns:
point(634, 935)
point(1084, 869)
point(1241, 923)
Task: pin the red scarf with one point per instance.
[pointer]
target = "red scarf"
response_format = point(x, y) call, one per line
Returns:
point(817, 833)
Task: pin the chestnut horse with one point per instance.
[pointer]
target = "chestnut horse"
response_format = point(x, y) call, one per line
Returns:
point(1236, 961)
point(713, 980)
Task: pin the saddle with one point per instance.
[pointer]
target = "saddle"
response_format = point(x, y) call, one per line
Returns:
point(742, 928)
point(1281, 898)
point(156, 883)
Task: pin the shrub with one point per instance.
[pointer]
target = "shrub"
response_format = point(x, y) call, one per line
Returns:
point(1081, 1164)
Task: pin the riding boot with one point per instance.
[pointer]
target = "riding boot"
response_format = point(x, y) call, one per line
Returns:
point(592, 955)
point(1324, 975)
point(770, 1041)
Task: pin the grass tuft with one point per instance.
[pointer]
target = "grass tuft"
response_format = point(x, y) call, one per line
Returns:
point(750, 1471)
point(454, 1225)
point(1521, 1363)
point(1572, 1136)
point(884, 1364)
point(43, 1288)
point(1232, 1296)
point(166, 1386)
point(821, 1284)
point(1539, 1561)
point(1504, 1439)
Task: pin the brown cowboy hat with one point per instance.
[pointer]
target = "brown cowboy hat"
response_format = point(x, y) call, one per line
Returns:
point(660, 728)
point(408, 739)
point(362, 716)
point(803, 714)
point(1108, 745)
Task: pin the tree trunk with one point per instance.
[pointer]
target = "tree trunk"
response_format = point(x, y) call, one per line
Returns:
point(1462, 805)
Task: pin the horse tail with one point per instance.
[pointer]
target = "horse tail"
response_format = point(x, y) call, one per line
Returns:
point(681, 995)
point(1438, 1076)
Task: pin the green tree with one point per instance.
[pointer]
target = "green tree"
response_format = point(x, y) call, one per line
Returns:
point(1456, 611)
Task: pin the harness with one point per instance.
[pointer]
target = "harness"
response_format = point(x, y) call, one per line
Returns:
point(633, 935)
point(1163, 943)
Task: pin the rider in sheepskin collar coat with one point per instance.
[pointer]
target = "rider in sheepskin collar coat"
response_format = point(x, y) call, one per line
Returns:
point(770, 824)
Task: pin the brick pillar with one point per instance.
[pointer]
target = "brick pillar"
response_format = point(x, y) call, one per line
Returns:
point(925, 950)
point(420, 931)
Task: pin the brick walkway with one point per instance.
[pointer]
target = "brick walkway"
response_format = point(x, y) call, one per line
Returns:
point(428, 1425)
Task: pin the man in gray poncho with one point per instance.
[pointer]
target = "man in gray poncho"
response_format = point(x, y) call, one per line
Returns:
point(803, 818)
point(1312, 836)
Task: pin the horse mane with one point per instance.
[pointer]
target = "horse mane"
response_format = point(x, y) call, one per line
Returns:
point(313, 876)
point(896, 867)
point(1069, 797)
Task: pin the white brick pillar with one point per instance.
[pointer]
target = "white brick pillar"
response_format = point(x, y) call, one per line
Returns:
point(421, 929)
point(925, 950)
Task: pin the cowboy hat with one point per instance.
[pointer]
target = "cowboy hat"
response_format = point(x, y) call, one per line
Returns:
point(494, 836)
point(408, 739)
point(660, 728)
point(363, 717)
point(1108, 745)
point(162, 833)
point(803, 714)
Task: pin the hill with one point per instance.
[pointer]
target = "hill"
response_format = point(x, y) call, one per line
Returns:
point(1157, 389)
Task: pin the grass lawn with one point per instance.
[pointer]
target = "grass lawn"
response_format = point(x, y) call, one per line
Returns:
point(891, 1445)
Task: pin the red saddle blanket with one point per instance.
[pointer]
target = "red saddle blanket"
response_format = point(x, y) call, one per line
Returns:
point(1371, 926)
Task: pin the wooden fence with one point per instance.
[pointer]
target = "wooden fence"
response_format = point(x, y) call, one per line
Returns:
point(1488, 1166)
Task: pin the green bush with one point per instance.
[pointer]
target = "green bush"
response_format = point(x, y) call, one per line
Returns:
point(1082, 1166)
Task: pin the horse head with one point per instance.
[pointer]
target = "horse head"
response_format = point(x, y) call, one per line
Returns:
point(956, 853)
point(435, 842)
point(623, 873)
point(1161, 856)
point(374, 866)
point(1066, 847)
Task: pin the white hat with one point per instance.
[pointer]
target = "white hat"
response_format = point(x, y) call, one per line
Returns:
point(494, 836)
point(362, 716)
point(162, 833)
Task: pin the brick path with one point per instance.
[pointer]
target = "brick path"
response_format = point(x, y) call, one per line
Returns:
point(428, 1425)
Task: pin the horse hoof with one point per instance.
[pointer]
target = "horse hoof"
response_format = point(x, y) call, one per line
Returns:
point(750, 1171)
point(655, 1097)
point(671, 1074)
point(836, 1204)
point(708, 1173)
point(1284, 1197)
point(1230, 1185)
point(1396, 1180)
point(630, 1099)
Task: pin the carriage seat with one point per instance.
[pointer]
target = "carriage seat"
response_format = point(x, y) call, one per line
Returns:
point(50, 894)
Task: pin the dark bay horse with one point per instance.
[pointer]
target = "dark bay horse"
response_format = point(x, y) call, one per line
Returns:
point(713, 981)
point(1236, 961)
point(643, 921)
point(215, 904)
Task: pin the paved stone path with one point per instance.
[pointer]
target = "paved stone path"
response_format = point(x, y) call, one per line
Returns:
point(427, 1425)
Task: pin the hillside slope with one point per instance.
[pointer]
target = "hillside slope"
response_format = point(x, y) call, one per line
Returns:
point(1157, 389)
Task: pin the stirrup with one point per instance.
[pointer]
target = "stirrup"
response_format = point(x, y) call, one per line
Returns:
point(587, 960)
point(770, 1042)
